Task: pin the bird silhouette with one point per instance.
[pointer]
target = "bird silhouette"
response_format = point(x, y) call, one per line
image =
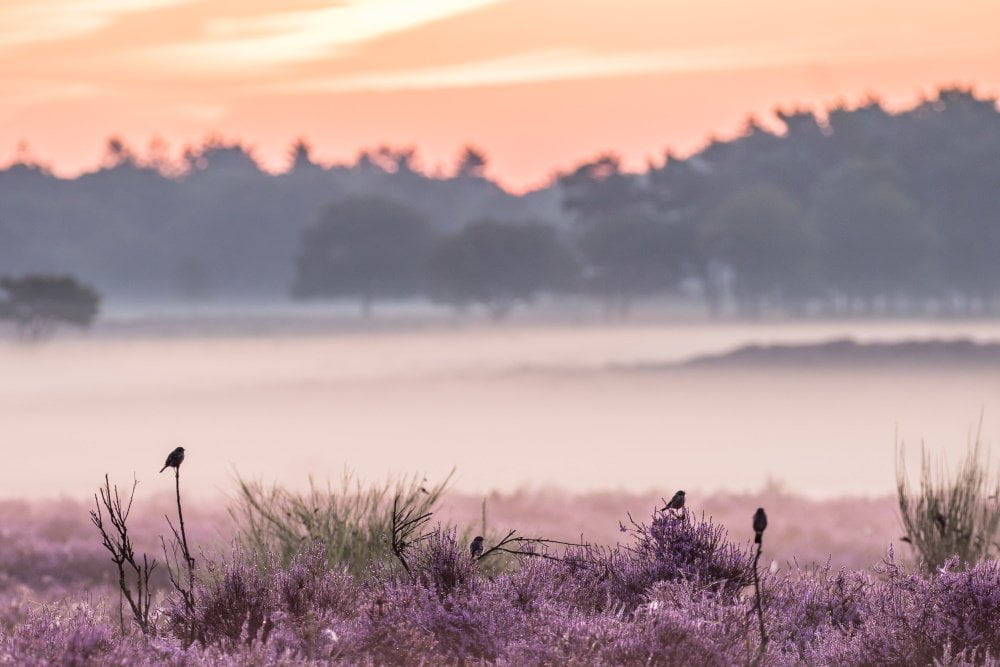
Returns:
point(476, 548)
point(676, 503)
point(759, 524)
point(174, 459)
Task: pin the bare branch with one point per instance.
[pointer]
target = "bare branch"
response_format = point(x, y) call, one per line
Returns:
point(133, 576)
point(524, 546)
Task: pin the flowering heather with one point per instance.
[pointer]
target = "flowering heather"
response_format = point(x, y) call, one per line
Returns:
point(676, 589)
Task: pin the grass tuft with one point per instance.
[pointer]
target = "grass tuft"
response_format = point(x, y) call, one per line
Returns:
point(351, 521)
point(950, 516)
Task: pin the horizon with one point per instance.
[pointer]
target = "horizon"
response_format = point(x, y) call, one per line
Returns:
point(170, 165)
point(537, 86)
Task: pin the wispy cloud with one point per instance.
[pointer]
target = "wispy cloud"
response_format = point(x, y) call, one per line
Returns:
point(298, 36)
point(31, 21)
point(575, 64)
point(549, 65)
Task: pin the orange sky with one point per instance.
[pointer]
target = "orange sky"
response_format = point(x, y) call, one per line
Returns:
point(538, 84)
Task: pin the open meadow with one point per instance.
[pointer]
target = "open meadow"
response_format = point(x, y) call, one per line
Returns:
point(572, 437)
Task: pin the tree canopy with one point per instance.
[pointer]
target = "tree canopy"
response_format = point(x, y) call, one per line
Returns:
point(365, 246)
point(858, 205)
point(498, 265)
point(37, 303)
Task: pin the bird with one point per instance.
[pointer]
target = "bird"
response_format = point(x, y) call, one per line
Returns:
point(676, 503)
point(759, 524)
point(476, 548)
point(174, 459)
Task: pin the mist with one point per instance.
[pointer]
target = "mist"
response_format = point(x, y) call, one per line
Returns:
point(580, 408)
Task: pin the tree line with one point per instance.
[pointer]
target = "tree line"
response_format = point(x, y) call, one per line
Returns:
point(850, 210)
point(857, 211)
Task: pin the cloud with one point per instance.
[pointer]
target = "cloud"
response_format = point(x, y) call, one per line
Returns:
point(575, 64)
point(31, 21)
point(548, 65)
point(304, 35)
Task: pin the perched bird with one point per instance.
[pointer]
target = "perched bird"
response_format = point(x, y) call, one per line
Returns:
point(174, 459)
point(759, 524)
point(476, 548)
point(676, 503)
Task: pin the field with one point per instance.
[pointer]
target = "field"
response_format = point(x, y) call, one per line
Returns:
point(838, 588)
point(573, 439)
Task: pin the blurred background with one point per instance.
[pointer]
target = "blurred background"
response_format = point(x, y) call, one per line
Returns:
point(719, 246)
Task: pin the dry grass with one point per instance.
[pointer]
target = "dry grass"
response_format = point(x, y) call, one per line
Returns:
point(950, 515)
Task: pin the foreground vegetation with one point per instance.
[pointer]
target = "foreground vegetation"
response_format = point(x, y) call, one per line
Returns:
point(677, 593)
point(357, 574)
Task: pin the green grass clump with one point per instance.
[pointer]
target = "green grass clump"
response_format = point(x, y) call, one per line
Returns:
point(351, 521)
point(950, 516)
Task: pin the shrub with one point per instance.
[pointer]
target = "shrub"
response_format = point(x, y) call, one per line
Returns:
point(950, 516)
point(351, 522)
point(676, 547)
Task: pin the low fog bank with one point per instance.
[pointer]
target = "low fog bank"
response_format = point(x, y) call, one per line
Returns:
point(900, 355)
point(125, 319)
point(507, 406)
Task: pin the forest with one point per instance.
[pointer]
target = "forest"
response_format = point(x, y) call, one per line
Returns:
point(855, 209)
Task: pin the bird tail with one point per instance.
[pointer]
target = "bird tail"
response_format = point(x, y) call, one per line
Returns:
point(163, 468)
point(756, 538)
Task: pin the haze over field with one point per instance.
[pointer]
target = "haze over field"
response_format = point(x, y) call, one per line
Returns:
point(581, 408)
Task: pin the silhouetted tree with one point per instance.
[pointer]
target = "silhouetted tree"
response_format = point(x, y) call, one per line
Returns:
point(761, 234)
point(127, 224)
point(37, 303)
point(631, 256)
point(370, 247)
point(301, 157)
point(877, 243)
point(472, 163)
point(949, 147)
point(192, 280)
point(630, 246)
point(599, 190)
point(498, 265)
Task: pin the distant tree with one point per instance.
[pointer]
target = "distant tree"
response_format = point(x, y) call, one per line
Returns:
point(218, 156)
point(762, 235)
point(471, 164)
point(632, 255)
point(949, 146)
point(632, 243)
point(598, 190)
point(118, 153)
point(877, 243)
point(389, 159)
point(683, 192)
point(37, 303)
point(300, 157)
point(498, 265)
point(370, 247)
point(867, 131)
point(192, 280)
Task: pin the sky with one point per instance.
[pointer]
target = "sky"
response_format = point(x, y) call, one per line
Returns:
point(539, 85)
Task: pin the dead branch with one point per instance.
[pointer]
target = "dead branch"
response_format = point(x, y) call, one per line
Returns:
point(407, 530)
point(118, 542)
